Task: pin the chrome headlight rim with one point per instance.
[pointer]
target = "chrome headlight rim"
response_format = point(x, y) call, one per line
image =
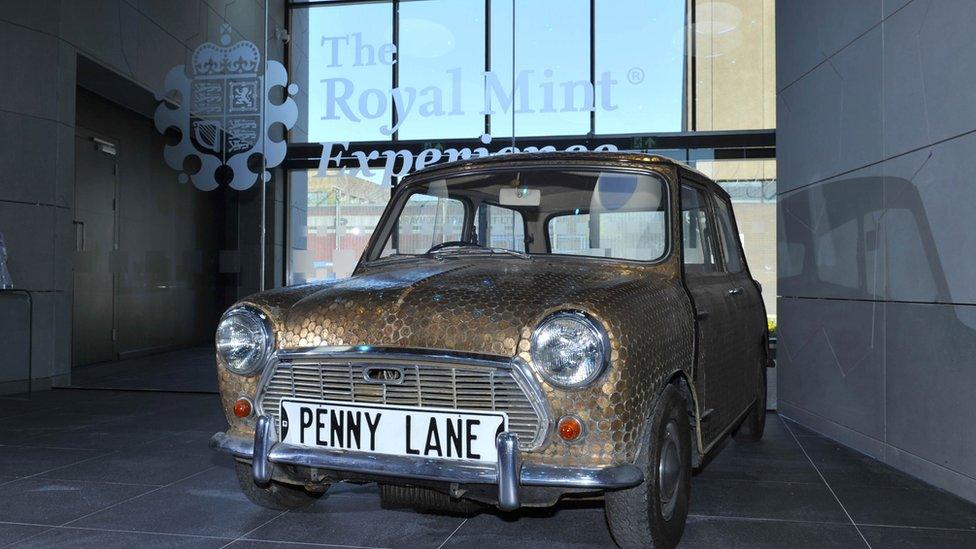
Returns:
point(594, 327)
point(266, 350)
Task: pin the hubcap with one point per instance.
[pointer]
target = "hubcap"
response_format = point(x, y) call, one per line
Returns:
point(669, 469)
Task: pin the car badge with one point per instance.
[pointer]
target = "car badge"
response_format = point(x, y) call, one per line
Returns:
point(384, 375)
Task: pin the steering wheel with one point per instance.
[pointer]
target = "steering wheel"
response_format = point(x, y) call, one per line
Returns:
point(458, 243)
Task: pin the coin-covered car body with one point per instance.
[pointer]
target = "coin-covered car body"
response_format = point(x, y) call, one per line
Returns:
point(519, 329)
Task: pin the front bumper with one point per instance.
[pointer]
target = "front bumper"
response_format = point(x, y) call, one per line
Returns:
point(508, 474)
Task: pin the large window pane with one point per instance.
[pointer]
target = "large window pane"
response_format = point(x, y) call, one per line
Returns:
point(350, 71)
point(332, 218)
point(553, 95)
point(441, 61)
point(640, 54)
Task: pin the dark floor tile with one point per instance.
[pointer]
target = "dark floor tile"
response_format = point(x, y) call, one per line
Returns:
point(255, 544)
point(841, 465)
point(207, 504)
point(55, 420)
point(10, 533)
point(140, 466)
point(799, 430)
point(765, 500)
point(20, 461)
point(775, 429)
point(209, 419)
point(576, 524)
point(713, 532)
point(779, 461)
point(73, 537)
point(911, 538)
point(894, 506)
point(358, 521)
point(196, 442)
point(105, 436)
point(182, 370)
point(44, 501)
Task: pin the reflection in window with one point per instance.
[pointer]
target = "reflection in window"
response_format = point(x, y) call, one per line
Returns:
point(553, 94)
point(637, 235)
point(730, 247)
point(441, 59)
point(332, 219)
point(427, 221)
point(699, 254)
point(499, 227)
point(649, 71)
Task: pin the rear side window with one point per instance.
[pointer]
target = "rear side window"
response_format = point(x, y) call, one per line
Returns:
point(699, 251)
point(730, 240)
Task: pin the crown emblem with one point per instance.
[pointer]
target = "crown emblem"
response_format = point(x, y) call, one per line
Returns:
point(222, 111)
point(241, 58)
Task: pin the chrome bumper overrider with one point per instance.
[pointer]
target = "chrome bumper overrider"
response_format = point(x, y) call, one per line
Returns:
point(509, 473)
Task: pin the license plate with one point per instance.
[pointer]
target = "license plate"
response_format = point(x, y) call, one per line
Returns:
point(393, 430)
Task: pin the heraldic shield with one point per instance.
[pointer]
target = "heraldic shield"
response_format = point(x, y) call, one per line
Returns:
point(223, 114)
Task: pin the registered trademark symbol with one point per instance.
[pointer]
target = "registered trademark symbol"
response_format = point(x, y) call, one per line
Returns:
point(635, 75)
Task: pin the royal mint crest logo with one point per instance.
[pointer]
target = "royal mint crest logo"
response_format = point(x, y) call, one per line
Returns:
point(223, 114)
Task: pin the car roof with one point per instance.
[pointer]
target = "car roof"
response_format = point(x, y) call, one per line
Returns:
point(534, 158)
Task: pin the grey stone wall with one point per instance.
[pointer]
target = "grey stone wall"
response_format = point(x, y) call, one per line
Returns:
point(39, 44)
point(877, 281)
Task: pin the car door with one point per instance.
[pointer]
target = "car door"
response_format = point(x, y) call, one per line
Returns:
point(715, 378)
point(745, 305)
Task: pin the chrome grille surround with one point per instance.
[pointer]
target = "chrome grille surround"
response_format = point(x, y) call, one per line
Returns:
point(429, 381)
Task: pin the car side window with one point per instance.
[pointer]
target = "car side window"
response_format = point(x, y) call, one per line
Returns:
point(699, 252)
point(730, 241)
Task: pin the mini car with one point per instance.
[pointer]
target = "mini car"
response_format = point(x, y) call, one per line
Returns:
point(520, 328)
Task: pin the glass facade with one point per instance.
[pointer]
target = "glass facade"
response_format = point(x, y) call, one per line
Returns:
point(391, 86)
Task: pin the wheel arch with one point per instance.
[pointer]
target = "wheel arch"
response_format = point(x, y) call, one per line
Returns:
point(682, 382)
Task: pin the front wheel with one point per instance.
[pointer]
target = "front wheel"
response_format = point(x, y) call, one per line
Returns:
point(276, 495)
point(653, 513)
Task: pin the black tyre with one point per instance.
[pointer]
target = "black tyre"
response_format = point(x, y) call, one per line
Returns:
point(276, 495)
point(653, 513)
point(425, 500)
point(752, 427)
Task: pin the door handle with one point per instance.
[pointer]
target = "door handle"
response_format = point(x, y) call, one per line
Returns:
point(735, 291)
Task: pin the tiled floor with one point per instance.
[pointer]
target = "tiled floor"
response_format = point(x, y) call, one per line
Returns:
point(186, 370)
point(114, 468)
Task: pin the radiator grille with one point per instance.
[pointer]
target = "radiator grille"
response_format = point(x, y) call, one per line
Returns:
point(425, 385)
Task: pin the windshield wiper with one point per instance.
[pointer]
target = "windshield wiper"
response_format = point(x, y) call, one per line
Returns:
point(392, 258)
point(471, 250)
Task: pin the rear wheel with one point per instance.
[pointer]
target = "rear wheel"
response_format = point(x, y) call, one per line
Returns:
point(653, 513)
point(754, 424)
point(276, 495)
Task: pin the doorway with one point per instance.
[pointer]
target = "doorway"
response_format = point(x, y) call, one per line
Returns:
point(148, 290)
point(93, 331)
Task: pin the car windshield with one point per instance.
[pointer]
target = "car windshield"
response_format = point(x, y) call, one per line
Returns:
point(610, 214)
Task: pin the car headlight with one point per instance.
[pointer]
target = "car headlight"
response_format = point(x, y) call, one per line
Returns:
point(244, 340)
point(569, 349)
